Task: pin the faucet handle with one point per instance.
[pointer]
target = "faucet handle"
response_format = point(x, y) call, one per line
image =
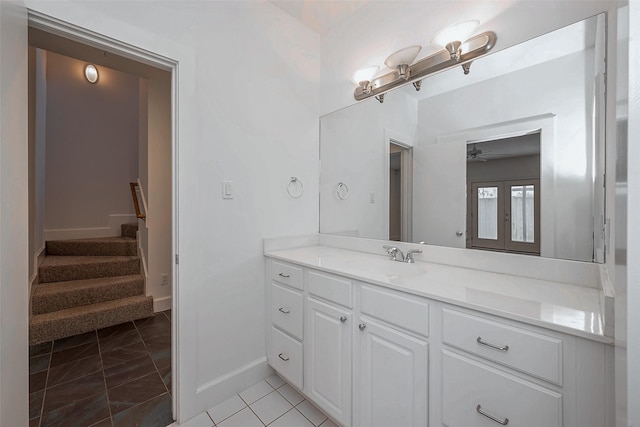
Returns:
point(392, 251)
point(410, 253)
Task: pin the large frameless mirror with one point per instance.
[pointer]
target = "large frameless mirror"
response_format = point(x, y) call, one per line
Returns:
point(509, 157)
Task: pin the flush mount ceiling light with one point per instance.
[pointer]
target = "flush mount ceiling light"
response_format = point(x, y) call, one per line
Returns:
point(458, 50)
point(452, 37)
point(401, 59)
point(91, 73)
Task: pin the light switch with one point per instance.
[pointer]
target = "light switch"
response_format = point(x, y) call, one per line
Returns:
point(227, 190)
point(372, 197)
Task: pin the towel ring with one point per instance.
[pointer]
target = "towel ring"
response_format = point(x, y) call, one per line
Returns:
point(342, 191)
point(295, 188)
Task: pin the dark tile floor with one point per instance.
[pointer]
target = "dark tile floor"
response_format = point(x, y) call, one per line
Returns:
point(113, 377)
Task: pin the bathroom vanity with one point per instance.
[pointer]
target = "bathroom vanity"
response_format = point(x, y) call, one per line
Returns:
point(376, 342)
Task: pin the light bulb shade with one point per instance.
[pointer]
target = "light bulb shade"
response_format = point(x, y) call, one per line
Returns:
point(458, 32)
point(403, 56)
point(365, 74)
point(91, 73)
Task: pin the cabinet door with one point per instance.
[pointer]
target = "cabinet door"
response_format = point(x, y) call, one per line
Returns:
point(327, 348)
point(393, 378)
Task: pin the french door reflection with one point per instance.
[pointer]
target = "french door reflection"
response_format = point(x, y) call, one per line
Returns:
point(506, 215)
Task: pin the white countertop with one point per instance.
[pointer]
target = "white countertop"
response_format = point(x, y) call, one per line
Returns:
point(558, 306)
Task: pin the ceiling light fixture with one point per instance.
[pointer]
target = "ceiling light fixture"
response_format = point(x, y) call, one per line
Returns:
point(458, 50)
point(91, 73)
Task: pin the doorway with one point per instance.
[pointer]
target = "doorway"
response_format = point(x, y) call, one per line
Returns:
point(156, 243)
point(400, 191)
point(503, 194)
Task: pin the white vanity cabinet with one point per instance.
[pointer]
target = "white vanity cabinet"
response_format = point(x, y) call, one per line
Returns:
point(392, 360)
point(370, 355)
point(328, 344)
point(285, 328)
point(499, 372)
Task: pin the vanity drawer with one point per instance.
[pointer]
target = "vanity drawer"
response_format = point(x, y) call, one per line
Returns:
point(331, 288)
point(469, 387)
point(288, 274)
point(399, 310)
point(286, 357)
point(526, 351)
point(286, 309)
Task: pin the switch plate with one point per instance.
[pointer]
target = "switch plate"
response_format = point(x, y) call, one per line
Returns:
point(164, 279)
point(227, 190)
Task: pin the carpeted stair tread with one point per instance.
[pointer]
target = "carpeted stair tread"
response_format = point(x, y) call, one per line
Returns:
point(48, 297)
point(129, 230)
point(105, 246)
point(66, 268)
point(78, 320)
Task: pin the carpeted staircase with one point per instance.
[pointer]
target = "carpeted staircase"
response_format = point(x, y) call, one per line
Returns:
point(88, 284)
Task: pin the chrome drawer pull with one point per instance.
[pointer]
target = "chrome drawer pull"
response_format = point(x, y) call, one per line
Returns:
point(286, 359)
point(491, 417)
point(286, 276)
point(495, 347)
point(282, 310)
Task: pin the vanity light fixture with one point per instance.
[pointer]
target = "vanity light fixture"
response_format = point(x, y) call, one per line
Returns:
point(364, 75)
point(91, 73)
point(401, 60)
point(457, 50)
point(452, 37)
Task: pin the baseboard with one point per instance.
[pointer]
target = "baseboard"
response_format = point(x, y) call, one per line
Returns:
point(112, 229)
point(222, 388)
point(161, 304)
point(37, 260)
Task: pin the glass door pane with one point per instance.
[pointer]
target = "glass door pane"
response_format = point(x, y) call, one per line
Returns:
point(487, 218)
point(523, 213)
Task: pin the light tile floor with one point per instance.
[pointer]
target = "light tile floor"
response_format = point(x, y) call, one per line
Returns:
point(272, 403)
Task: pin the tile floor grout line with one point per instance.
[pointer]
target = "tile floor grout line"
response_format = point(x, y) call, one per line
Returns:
point(44, 390)
point(104, 379)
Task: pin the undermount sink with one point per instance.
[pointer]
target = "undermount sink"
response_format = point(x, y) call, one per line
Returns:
point(388, 267)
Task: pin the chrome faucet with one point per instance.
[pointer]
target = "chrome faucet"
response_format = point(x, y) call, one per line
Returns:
point(393, 253)
point(409, 259)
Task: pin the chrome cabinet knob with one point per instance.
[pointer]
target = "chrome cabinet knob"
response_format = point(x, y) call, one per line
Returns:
point(361, 326)
point(343, 319)
point(459, 233)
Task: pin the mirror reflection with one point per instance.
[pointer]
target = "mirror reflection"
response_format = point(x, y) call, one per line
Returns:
point(508, 158)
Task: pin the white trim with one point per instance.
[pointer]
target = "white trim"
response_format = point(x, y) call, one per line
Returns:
point(161, 304)
point(545, 124)
point(111, 230)
point(233, 382)
point(143, 261)
point(144, 203)
point(183, 375)
point(392, 136)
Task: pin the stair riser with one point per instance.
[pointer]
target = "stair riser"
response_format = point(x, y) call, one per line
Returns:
point(40, 332)
point(47, 303)
point(63, 273)
point(129, 230)
point(71, 248)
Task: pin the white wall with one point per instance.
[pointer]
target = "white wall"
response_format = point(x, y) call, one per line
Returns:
point(14, 223)
point(92, 145)
point(158, 192)
point(247, 96)
point(354, 150)
point(567, 206)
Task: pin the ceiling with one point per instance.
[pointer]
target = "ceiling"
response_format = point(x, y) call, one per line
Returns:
point(320, 15)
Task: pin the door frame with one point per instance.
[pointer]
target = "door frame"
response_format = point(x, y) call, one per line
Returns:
point(407, 143)
point(61, 28)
